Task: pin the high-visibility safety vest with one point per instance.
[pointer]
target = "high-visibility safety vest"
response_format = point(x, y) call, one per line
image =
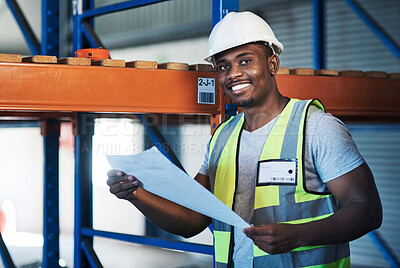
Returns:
point(274, 203)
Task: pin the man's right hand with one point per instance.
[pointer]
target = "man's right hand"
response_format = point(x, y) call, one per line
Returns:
point(166, 214)
point(121, 184)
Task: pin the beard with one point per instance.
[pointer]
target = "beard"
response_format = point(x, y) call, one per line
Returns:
point(244, 103)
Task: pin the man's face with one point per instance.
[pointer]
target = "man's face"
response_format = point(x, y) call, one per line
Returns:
point(243, 74)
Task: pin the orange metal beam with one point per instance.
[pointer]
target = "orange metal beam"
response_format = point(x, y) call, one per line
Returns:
point(53, 87)
point(355, 98)
point(34, 115)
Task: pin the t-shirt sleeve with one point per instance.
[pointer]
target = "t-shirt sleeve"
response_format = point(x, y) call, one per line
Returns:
point(333, 148)
point(204, 167)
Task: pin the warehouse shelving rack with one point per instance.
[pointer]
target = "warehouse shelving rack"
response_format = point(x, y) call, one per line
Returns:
point(48, 103)
point(83, 15)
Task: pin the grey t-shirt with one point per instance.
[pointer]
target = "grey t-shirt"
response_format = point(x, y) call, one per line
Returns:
point(329, 153)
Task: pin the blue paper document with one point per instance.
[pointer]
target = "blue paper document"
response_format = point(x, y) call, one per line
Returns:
point(161, 177)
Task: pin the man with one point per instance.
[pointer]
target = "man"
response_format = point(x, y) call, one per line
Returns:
point(306, 196)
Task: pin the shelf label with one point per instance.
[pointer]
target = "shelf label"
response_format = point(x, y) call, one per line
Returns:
point(206, 90)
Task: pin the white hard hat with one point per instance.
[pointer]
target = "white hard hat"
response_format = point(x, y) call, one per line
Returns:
point(239, 28)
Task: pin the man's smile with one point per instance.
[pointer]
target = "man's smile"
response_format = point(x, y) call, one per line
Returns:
point(239, 88)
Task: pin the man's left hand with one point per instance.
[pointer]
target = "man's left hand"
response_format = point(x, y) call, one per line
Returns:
point(274, 238)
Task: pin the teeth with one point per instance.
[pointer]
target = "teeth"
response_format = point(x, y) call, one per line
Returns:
point(238, 87)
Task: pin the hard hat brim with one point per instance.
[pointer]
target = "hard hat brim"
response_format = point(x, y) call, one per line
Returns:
point(276, 47)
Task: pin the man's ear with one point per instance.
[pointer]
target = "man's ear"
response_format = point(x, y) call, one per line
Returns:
point(273, 64)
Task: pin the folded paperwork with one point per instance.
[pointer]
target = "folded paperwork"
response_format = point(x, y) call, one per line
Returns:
point(161, 177)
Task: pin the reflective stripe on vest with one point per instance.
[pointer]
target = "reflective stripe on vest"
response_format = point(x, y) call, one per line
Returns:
point(273, 203)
